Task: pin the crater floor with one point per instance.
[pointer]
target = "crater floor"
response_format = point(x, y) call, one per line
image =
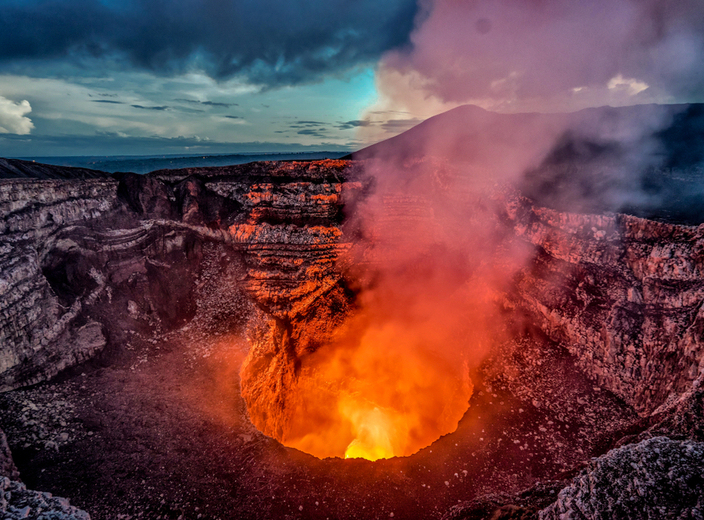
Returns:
point(163, 433)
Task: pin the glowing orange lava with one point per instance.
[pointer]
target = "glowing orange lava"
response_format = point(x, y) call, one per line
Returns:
point(389, 394)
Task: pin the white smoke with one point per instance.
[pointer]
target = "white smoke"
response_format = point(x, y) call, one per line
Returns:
point(545, 56)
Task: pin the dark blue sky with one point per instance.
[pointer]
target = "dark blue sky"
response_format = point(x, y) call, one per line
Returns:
point(171, 76)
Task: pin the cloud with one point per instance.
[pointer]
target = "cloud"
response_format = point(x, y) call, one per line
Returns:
point(207, 103)
point(235, 120)
point(66, 107)
point(375, 125)
point(632, 86)
point(268, 43)
point(107, 101)
point(312, 132)
point(313, 126)
point(13, 118)
point(399, 125)
point(348, 125)
point(141, 107)
point(217, 104)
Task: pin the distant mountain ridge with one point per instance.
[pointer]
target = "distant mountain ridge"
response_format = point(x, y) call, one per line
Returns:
point(645, 160)
point(150, 163)
point(681, 130)
point(19, 169)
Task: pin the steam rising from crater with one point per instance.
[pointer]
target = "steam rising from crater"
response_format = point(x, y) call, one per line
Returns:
point(428, 270)
point(433, 251)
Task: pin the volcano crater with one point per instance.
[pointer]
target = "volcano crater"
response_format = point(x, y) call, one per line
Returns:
point(160, 333)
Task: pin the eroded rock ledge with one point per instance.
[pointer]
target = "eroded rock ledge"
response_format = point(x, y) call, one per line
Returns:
point(81, 260)
point(623, 294)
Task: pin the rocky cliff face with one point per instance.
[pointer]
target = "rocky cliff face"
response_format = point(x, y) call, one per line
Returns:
point(74, 252)
point(622, 294)
point(85, 264)
point(39, 329)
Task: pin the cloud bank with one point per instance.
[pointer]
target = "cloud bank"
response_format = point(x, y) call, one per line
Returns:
point(13, 118)
point(268, 42)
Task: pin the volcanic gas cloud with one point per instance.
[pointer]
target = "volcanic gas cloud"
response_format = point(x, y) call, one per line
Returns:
point(391, 370)
point(383, 366)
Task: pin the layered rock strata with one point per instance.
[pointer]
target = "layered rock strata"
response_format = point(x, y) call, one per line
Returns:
point(84, 260)
point(624, 295)
point(39, 332)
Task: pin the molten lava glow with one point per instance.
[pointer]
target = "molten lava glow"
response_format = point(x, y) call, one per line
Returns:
point(387, 372)
point(389, 393)
point(374, 432)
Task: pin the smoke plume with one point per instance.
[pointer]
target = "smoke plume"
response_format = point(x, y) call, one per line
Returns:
point(435, 251)
point(547, 55)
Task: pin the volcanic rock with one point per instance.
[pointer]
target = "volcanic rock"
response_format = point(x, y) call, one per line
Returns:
point(19, 169)
point(7, 465)
point(645, 160)
point(93, 269)
point(657, 478)
point(623, 295)
point(72, 249)
point(17, 502)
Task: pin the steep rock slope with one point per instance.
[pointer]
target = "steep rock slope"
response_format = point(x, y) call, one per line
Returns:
point(39, 332)
point(81, 260)
point(622, 294)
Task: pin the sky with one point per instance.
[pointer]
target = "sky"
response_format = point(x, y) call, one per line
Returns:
point(102, 77)
point(132, 77)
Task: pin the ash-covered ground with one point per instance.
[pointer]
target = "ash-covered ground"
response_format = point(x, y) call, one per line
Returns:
point(163, 433)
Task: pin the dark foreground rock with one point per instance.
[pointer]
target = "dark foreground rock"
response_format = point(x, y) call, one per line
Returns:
point(17, 502)
point(655, 479)
point(658, 478)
